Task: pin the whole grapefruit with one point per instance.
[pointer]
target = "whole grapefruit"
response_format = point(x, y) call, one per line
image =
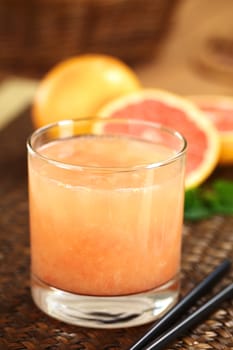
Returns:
point(79, 86)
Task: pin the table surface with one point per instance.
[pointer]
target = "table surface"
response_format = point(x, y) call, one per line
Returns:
point(206, 243)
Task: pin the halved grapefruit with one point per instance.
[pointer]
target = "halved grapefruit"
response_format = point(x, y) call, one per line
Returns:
point(219, 109)
point(177, 113)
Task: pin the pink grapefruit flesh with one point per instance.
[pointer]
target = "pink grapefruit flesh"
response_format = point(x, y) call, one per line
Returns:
point(179, 114)
point(219, 109)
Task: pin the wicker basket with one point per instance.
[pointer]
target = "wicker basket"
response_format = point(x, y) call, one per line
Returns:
point(36, 34)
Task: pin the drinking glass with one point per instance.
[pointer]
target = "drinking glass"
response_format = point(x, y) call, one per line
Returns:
point(106, 212)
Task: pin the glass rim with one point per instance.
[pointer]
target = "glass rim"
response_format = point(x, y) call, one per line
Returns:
point(69, 166)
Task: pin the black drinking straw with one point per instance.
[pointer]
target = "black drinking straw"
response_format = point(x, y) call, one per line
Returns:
point(177, 311)
point(191, 320)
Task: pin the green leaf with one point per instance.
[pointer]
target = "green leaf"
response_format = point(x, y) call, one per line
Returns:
point(206, 201)
point(223, 197)
point(195, 208)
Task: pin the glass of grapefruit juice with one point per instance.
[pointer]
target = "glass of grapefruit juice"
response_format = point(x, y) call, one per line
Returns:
point(106, 212)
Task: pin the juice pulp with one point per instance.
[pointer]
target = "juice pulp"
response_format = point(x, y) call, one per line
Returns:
point(97, 229)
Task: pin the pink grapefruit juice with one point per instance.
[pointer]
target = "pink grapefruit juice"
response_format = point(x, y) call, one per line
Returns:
point(107, 224)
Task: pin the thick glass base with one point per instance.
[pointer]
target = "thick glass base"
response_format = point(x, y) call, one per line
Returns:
point(105, 312)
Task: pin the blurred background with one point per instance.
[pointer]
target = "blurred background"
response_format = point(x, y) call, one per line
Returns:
point(36, 34)
point(185, 46)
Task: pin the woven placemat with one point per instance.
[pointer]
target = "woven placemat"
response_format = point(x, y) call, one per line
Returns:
point(23, 326)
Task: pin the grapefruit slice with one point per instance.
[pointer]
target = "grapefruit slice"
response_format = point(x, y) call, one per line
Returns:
point(177, 113)
point(219, 109)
